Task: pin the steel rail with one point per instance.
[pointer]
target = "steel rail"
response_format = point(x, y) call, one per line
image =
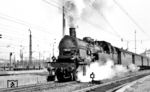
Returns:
point(112, 85)
point(36, 87)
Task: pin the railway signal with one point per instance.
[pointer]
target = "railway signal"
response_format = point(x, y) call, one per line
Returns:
point(12, 83)
point(92, 76)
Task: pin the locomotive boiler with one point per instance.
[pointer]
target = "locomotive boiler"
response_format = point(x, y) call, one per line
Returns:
point(75, 52)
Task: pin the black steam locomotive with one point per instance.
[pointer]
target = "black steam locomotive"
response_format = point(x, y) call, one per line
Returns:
point(75, 52)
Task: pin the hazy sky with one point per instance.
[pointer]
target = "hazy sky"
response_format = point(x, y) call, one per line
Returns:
point(44, 17)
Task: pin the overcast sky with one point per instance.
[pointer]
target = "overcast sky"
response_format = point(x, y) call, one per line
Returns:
point(113, 21)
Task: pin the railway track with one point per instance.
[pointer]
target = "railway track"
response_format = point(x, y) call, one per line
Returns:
point(104, 86)
point(37, 87)
point(112, 86)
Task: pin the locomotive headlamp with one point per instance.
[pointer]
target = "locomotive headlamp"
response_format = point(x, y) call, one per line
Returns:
point(67, 49)
point(92, 76)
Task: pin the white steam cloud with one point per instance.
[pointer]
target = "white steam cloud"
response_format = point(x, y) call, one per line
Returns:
point(73, 9)
point(83, 9)
point(105, 71)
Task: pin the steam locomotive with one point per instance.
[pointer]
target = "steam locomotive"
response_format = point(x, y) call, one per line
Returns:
point(75, 52)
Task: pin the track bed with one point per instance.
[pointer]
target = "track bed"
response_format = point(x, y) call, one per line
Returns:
point(101, 86)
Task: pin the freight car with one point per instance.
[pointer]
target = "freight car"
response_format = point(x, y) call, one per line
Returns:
point(75, 52)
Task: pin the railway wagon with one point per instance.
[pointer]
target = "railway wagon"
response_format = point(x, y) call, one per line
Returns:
point(126, 58)
point(75, 52)
point(137, 60)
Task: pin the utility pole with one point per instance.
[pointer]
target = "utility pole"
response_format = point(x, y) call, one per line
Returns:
point(135, 41)
point(53, 49)
point(14, 58)
point(0, 35)
point(21, 54)
point(122, 43)
point(63, 17)
point(146, 52)
point(50, 54)
point(39, 56)
point(10, 54)
point(54, 46)
point(43, 55)
point(127, 45)
point(30, 47)
point(39, 52)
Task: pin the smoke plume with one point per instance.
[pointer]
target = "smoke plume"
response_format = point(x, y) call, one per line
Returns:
point(103, 71)
point(83, 9)
point(73, 8)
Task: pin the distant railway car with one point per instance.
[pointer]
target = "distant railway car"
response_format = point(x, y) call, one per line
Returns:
point(125, 57)
point(137, 60)
point(144, 61)
point(75, 52)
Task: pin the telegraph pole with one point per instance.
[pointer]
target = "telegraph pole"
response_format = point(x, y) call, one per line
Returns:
point(21, 54)
point(39, 56)
point(135, 41)
point(127, 45)
point(54, 46)
point(0, 35)
point(39, 52)
point(10, 54)
point(122, 42)
point(145, 52)
point(30, 47)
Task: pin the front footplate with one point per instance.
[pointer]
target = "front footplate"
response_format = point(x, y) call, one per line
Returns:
point(62, 65)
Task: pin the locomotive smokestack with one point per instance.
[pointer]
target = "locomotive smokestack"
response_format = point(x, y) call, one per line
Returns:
point(72, 31)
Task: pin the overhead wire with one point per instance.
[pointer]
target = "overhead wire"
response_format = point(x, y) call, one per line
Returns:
point(14, 20)
point(95, 25)
point(8, 37)
point(108, 23)
point(131, 18)
point(52, 4)
point(10, 34)
point(23, 23)
point(8, 28)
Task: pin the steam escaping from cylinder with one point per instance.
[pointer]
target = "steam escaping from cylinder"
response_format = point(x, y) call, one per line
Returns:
point(103, 71)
